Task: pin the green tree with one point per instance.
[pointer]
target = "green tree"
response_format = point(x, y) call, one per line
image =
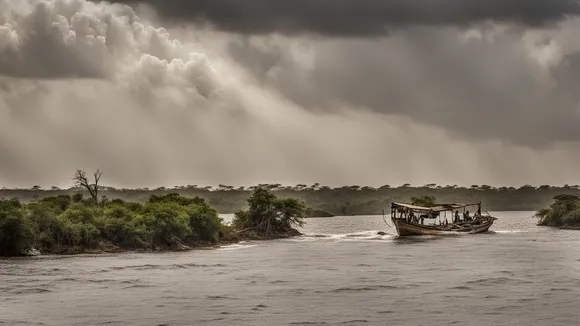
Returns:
point(204, 222)
point(167, 223)
point(16, 234)
point(425, 201)
point(565, 210)
point(269, 215)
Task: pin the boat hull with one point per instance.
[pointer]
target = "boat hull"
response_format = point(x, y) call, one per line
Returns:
point(405, 228)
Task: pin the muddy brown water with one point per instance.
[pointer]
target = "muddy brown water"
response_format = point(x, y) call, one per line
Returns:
point(339, 273)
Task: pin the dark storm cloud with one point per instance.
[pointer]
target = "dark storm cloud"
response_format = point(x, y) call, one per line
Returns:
point(483, 87)
point(355, 17)
point(164, 104)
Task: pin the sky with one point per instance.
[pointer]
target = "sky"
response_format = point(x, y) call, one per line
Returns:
point(339, 92)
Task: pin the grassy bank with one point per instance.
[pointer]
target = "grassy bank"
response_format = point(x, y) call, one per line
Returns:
point(71, 224)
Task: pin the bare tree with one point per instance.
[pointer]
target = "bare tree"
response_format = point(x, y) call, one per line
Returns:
point(81, 180)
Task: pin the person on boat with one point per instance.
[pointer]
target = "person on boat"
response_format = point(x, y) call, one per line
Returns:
point(456, 217)
point(414, 218)
point(422, 218)
point(466, 216)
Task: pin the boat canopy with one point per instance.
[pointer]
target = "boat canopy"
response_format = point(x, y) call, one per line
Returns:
point(438, 208)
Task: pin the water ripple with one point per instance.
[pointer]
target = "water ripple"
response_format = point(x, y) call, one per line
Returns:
point(342, 272)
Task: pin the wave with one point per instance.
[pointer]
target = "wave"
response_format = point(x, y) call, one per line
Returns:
point(18, 322)
point(355, 321)
point(278, 282)
point(164, 267)
point(137, 286)
point(240, 245)
point(494, 281)
point(363, 289)
point(220, 297)
point(29, 291)
point(356, 236)
point(510, 231)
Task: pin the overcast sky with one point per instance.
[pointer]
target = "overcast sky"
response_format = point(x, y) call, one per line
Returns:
point(162, 93)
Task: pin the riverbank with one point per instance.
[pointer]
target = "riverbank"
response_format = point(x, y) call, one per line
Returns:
point(311, 213)
point(570, 227)
point(107, 247)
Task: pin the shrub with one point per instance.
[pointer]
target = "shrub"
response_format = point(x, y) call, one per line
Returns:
point(165, 221)
point(16, 234)
point(204, 222)
point(268, 214)
point(564, 210)
point(77, 225)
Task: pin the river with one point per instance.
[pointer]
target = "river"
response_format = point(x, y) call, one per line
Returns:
point(340, 273)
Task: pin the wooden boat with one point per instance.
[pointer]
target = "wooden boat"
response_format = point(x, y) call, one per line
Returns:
point(442, 219)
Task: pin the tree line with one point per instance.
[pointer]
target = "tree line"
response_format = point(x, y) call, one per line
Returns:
point(324, 200)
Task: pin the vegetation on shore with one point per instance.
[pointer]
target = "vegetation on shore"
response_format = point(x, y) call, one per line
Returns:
point(425, 201)
point(564, 212)
point(311, 212)
point(269, 217)
point(65, 221)
point(68, 224)
point(348, 200)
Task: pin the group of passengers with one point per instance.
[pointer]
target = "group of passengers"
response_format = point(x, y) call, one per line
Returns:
point(466, 216)
point(412, 218)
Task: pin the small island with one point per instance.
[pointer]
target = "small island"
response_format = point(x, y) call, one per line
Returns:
point(73, 224)
point(563, 213)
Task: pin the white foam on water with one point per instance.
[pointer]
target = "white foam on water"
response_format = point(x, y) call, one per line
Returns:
point(356, 236)
point(510, 231)
point(240, 245)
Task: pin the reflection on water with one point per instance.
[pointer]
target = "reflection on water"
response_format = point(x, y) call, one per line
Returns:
point(341, 272)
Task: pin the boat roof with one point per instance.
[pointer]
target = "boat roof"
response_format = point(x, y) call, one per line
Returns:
point(438, 208)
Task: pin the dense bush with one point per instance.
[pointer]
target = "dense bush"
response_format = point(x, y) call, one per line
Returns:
point(564, 211)
point(16, 235)
point(268, 215)
point(65, 223)
point(204, 222)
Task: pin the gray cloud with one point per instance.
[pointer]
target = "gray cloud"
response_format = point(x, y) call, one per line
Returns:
point(38, 41)
point(85, 84)
point(513, 84)
point(356, 18)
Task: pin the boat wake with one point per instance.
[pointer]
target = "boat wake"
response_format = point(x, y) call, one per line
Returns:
point(240, 245)
point(357, 236)
point(508, 231)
